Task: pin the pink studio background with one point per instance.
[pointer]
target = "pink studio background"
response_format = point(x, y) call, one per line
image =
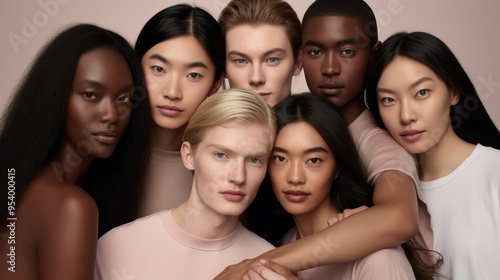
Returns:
point(470, 28)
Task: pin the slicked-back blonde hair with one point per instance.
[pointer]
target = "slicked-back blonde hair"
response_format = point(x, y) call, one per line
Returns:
point(257, 12)
point(226, 106)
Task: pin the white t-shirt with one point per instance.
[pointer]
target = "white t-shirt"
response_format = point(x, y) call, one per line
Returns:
point(465, 211)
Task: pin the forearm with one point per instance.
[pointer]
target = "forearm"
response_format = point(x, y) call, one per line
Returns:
point(353, 238)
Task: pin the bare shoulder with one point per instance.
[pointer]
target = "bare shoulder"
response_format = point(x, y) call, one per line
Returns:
point(58, 207)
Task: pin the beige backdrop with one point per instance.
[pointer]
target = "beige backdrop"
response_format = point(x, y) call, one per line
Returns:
point(469, 27)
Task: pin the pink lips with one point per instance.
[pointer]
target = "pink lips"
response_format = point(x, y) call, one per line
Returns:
point(233, 196)
point(169, 111)
point(411, 135)
point(264, 95)
point(296, 196)
point(331, 88)
point(109, 137)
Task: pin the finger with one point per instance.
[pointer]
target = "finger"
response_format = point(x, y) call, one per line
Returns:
point(252, 274)
point(268, 274)
point(274, 267)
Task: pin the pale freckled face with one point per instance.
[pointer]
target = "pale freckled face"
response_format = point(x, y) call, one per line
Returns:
point(179, 75)
point(229, 166)
point(414, 105)
point(302, 165)
point(260, 58)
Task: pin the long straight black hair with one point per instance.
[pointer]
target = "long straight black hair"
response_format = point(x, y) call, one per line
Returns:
point(349, 190)
point(32, 126)
point(469, 118)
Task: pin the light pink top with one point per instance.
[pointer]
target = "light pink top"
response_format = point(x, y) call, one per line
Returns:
point(379, 152)
point(169, 182)
point(154, 247)
point(386, 264)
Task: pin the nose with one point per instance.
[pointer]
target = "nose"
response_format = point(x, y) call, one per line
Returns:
point(330, 66)
point(257, 76)
point(171, 88)
point(295, 174)
point(237, 174)
point(108, 113)
point(407, 113)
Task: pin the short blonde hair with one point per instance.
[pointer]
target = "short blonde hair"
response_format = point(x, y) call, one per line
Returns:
point(226, 106)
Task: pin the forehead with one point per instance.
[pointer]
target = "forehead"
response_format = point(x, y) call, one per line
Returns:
point(181, 48)
point(244, 138)
point(334, 28)
point(403, 71)
point(309, 136)
point(262, 37)
point(103, 65)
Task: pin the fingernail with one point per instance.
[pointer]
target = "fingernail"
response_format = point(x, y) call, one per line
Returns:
point(263, 261)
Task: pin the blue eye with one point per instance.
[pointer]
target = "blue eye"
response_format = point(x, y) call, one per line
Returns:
point(220, 155)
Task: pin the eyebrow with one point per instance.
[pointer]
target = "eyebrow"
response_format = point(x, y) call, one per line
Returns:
point(91, 83)
point(308, 151)
point(231, 151)
point(314, 43)
point(264, 54)
point(413, 85)
point(102, 86)
point(188, 65)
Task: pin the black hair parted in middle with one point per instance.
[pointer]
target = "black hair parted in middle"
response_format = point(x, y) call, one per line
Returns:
point(182, 20)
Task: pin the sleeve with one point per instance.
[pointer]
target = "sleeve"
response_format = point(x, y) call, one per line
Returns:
point(387, 264)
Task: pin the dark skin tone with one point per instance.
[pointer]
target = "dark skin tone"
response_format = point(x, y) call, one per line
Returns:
point(57, 221)
point(335, 55)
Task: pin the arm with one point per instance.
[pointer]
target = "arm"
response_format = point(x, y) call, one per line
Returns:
point(68, 237)
point(390, 222)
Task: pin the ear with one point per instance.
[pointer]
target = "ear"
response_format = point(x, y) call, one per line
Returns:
point(216, 85)
point(376, 46)
point(298, 63)
point(187, 155)
point(455, 97)
point(337, 173)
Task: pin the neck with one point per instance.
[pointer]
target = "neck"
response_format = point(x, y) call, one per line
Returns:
point(353, 109)
point(316, 220)
point(197, 219)
point(167, 139)
point(444, 157)
point(69, 165)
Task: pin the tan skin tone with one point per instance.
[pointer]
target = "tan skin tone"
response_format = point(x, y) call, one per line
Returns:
point(56, 227)
point(393, 218)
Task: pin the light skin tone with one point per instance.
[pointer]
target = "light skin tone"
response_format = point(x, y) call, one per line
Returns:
point(229, 165)
point(414, 104)
point(179, 75)
point(56, 230)
point(260, 58)
point(393, 218)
